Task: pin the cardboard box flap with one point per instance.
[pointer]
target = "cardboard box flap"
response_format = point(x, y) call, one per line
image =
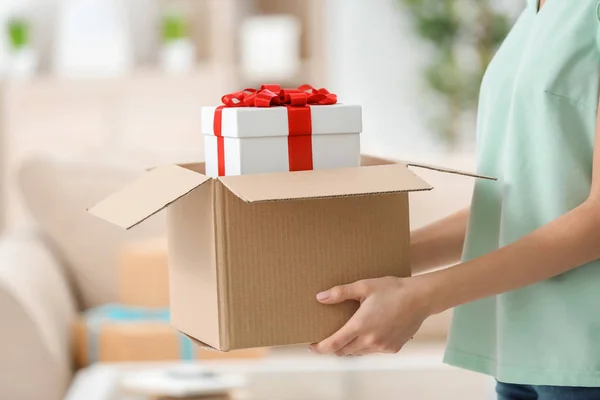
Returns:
point(446, 170)
point(369, 160)
point(143, 198)
point(324, 183)
point(198, 343)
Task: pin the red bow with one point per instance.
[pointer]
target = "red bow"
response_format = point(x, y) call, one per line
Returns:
point(274, 95)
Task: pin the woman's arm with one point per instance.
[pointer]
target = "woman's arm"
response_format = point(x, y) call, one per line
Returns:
point(439, 244)
point(568, 242)
point(392, 309)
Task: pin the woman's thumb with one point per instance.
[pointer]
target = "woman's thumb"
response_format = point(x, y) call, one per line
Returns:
point(339, 294)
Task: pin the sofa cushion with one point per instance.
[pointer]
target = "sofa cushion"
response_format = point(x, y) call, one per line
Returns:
point(37, 309)
point(57, 193)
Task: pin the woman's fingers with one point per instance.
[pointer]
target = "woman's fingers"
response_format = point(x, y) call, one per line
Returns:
point(338, 294)
point(391, 311)
point(335, 295)
point(351, 348)
point(364, 352)
point(336, 341)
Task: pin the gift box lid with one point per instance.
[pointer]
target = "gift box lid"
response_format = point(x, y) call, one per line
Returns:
point(243, 122)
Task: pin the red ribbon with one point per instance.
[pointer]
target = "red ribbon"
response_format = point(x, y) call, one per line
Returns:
point(296, 101)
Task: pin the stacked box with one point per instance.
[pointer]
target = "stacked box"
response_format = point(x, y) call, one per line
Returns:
point(143, 274)
point(115, 333)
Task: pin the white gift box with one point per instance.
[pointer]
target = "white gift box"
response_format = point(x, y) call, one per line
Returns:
point(254, 140)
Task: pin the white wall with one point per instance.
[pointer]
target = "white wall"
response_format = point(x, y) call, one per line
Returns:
point(374, 59)
point(142, 15)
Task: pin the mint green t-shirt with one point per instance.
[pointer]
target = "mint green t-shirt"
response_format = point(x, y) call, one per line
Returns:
point(536, 123)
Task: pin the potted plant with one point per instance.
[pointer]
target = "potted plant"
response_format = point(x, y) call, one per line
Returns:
point(178, 51)
point(454, 28)
point(22, 59)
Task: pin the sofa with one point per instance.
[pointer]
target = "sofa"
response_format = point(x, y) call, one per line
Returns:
point(61, 261)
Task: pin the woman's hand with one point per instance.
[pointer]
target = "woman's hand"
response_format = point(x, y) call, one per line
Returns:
point(390, 313)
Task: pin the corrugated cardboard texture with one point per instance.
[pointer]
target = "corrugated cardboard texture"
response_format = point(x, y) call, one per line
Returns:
point(325, 183)
point(143, 274)
point(277, 256)
point(246, 262)
point(193, 272)
point(149, 194)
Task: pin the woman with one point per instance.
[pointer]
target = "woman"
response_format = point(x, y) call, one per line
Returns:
point(527, 293)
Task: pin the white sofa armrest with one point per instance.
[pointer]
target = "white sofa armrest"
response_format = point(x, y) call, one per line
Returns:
point(37, 309)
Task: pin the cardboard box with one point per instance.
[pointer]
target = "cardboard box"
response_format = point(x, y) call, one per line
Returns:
point(126, 342)
point(142, 274)
point(249, 253)
point(254, 140)
point(140, 341)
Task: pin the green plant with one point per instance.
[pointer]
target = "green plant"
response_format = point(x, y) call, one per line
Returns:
point(174, 27)
point(453, 28)
point(18, 33)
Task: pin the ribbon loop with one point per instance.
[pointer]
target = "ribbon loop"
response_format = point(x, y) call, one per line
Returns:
point(272, 87)
point(272, 95)
point(299, 118)
point(266, 98)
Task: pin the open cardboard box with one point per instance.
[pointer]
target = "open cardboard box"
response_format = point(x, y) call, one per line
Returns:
point(249, 253)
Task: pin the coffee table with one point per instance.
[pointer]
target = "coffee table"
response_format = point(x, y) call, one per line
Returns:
point(416, 373)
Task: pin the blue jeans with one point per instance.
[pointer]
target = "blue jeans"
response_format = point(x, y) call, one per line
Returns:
point(508, 391)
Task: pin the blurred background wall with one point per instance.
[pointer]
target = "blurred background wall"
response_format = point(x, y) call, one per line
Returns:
point(372, 53)
point(93, 92)
point(376, 58)
point(374, 61)
point(382, 54)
